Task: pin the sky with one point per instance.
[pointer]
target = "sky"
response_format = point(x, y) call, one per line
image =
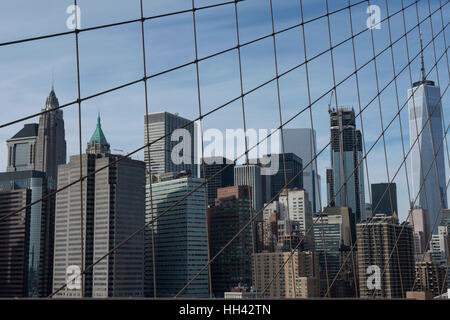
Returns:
point(113, 56)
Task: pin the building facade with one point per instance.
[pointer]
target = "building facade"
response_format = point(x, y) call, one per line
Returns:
point(22, 149)
point(428, 176)
point(384, 198)
point(333, 238)
point(439, 246)
point(288, 172)
point(345, 178)
point(430, 277)
point(94, 218)
point(295, 211)
point(220, 172)
point(173, 143)
point(302, 142)
point(420, 221)
point(26, 246)
point(251, 175)
point(232, 211)
point(295, 276)
point(176, 245)
point(378, 250)
point(51, 143)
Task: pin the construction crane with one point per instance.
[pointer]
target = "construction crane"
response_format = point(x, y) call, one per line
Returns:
point(331, 99)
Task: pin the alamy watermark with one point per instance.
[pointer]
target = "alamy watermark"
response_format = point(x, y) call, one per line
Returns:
point(73, 277)
point(373, 281)
point(374, 19)
point(73, 22)
point(231, 145)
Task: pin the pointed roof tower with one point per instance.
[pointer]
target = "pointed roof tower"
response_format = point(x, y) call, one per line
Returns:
point(52, 101)
point(98, 142)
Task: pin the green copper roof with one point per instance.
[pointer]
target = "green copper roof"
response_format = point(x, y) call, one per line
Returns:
point(98, 136)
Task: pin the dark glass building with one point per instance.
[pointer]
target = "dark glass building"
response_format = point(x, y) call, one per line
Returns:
point(345, 178)
point(290, 164)
point(26, 238)
point(210, 167)
point(226, 218)
point(384, 198)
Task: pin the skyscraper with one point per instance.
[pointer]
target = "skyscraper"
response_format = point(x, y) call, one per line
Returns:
point(212, 166)
point(378, 248)
point(420, 221)
point(173, 147)
point(300, 142)
point(229, 215)
point(384, 198)
point(251, 176)
point(282, 175)
point(334, 234)
point(428, 176)
point(295, 211)
point(22, 149)
point(51, 142)
point(439, 246)
point(298, 278)
point(180, 237)
point(26, 247)
point(112, 202)
point(345, 178)
point(430, 276)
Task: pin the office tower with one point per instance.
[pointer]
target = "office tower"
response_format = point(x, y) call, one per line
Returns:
point(253, 178)
point(212, 166)
point(229, 215)
point(439, 246)
point(333, 237)
point(280, 176)
point(384, 198)
point(376, 239)
point(180, 237)
point(112, 205)
point(51, 142)
point(430, 276)
point(22, 148)
point(424, 103)
point(300, 142)
point(26, 247)
point(296, 278)
point(173, 143)
point(345, 178)
point(295, 211)
point(419, 219)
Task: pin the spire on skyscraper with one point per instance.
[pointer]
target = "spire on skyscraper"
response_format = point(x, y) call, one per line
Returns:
point(424, 76)
point(52, 101)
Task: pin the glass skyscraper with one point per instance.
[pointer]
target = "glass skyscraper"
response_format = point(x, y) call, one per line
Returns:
point(428, 176)
point(384, 198)
point(300, 142)
point(26, 247)
point(345, 178)
point(170, 135)
point(180, 237)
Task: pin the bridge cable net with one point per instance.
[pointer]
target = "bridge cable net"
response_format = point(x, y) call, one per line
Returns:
point(305, 62)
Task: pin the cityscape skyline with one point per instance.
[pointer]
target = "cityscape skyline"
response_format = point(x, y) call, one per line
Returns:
point(367, 217)
point(217, 88)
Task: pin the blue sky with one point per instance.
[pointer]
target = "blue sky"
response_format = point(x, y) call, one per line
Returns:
point(113, 56)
